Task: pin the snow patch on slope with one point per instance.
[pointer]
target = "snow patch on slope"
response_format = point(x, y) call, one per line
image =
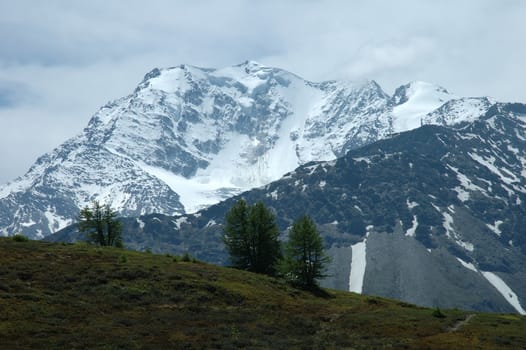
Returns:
point(358, 264)
point(141, 223)
point(466, 185)
point(411, 205)
point(467, 265)
point(505, 290)
point(182, 220)
point(496, 227)
point(452, 234)
point(412, 230)
point(489, 163)
point(55, 222)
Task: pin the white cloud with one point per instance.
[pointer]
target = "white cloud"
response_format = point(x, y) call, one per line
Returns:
point(67, 58)
point(373, 59)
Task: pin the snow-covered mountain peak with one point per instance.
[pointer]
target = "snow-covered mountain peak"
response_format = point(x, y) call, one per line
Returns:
point(170, 80)
point(252, 66)
point(413, 101)
point(420, 91)
point(188, 137)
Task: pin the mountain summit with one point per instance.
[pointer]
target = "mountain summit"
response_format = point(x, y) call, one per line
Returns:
point(188, 137)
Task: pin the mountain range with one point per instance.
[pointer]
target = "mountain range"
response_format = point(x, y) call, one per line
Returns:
point(189, 137)
point(419, 196)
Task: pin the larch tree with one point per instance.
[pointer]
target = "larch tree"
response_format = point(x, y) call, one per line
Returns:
point(251, 235)
point(304, 259)
point(101, 225)
point(235, 235)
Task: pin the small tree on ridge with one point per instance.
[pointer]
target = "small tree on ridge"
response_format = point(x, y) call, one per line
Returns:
point(101, 225)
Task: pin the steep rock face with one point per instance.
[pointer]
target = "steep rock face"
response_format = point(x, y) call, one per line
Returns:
point(189, 137)
point(433, 216)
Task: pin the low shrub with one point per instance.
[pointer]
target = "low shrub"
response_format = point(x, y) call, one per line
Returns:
point(20, 238)
point(437, 313)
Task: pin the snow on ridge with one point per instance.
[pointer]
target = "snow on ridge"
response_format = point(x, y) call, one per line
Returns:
point(211, 223)
point(505, 290)
point(466, 185)
point(496, 227)
point(141, 223)
point(182, 220)
point(452, 234)
point(422, 98)
point(499, 284)
point(273, 194)
point(467, 265)
point(462, 194)
point(459, 110)
point(170, 80)
point(448, 225)
point(466, 245)
point(55, 221)
point(17, 185)
point(358, 265)
point(412, 230)
point(365, 159)
point(489, 164)
point(28, 224)
point(411, 205)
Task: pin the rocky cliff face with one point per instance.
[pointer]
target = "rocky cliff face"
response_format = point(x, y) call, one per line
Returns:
point(189, 137)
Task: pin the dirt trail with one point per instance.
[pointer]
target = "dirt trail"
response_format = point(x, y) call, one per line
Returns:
point(461, 323)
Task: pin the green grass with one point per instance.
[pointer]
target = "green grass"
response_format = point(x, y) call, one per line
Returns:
point(77, 296)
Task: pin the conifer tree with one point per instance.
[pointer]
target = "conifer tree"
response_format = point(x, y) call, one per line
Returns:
point(235, 235)
point(263, 233)
point(304, 259)
point(101, 225)
point(251, 235)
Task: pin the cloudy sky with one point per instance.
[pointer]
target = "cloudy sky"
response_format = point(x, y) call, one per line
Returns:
point(61, 60)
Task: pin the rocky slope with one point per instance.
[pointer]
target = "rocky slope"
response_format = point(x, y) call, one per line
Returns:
point(189, 137)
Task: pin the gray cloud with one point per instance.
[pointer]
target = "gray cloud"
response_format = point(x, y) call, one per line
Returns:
point(15, 93)
point(64, 59)
point(7, 96)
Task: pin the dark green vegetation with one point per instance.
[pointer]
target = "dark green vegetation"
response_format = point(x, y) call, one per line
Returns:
point(20, 238)
point(81, 296)
point(304, 260)
point(251, 238)
point(101, 226)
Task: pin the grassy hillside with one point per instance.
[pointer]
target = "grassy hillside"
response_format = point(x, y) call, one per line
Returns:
point(78, 296)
